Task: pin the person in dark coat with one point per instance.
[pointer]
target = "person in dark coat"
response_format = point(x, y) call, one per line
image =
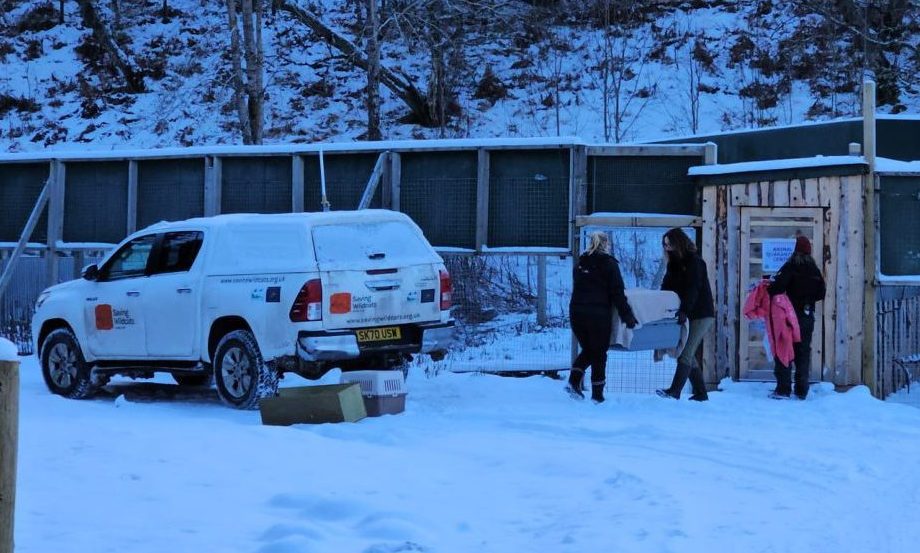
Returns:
point(686, 275)
point(800, 279)
point(597, 289)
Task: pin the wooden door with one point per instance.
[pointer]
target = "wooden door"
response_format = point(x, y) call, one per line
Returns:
point(767, 238)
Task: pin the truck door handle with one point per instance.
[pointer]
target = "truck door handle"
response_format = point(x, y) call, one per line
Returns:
point(382, 285)
point(133, 293)
point(184, 290)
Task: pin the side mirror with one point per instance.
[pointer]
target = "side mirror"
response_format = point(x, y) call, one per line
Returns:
point(90, 272)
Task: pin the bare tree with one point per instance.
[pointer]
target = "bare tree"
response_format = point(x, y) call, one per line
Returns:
point(693, 60)
point(120, 60)
point(621, 63)
point(239, 97)
point(395, 80)
point(372, 29)
point(882, 38)
point(248, 93)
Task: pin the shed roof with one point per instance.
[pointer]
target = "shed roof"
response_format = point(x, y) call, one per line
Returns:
point(779, 169)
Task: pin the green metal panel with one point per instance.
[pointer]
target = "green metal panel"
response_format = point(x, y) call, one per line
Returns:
point(346, 179)
point(438, 191)
point(169, 190)
point(895, 138)
point(898, 138)
point(647, 184)
point(20, 185)
point(95, 201)
point(256, 184)
point(899, 233)
point(782, 143)
point(529, 198)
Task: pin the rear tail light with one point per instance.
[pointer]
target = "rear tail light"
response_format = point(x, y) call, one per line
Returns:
point(446, 289)
point(308, 305)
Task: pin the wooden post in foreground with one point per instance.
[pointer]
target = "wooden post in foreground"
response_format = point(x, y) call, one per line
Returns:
point(9, 435)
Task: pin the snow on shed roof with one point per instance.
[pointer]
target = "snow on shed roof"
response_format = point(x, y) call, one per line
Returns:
point(775, 165)
point(885, 165)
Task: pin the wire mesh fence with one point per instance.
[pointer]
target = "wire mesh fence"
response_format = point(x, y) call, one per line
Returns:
point(897, 343)
point(495, 304)
point(29, 278)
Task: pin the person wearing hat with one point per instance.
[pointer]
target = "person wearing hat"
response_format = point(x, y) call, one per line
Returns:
point(800, 279)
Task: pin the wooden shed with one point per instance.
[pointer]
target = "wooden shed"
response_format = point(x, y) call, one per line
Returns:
point(860, 213)
point(752, 213)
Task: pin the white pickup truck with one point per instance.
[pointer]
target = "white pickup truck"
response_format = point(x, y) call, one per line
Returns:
point(243, 299)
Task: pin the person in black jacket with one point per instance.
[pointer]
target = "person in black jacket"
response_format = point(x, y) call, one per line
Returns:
point(686, 275)
point(800, 279)
point(597, 288)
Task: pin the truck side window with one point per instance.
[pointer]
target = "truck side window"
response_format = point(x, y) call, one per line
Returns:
point(178, 251)
point(131, 260)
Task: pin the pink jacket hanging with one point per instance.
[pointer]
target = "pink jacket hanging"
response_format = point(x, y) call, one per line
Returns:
point(779, 315)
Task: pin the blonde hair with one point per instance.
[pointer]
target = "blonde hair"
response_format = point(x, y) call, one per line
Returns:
point(598, 242)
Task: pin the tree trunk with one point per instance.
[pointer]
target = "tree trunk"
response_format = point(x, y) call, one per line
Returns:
point(61, 10)
point(393, 79)
point(238, 96)
point(122, 63)
point(436, 88)
point(373, 72)
point(252, 50)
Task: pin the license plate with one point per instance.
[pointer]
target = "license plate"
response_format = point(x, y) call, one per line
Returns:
point(378, 334)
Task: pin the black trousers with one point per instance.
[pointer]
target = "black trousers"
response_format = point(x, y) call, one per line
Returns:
point(802, 360)
point(592, 329)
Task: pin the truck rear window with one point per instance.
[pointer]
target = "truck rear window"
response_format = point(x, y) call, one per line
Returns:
point(358, 244)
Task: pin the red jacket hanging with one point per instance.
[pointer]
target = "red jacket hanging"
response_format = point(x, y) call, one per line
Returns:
point(781, 322)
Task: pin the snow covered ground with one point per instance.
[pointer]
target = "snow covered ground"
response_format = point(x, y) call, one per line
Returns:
point(476, 463)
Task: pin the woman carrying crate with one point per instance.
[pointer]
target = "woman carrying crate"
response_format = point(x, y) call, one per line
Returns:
point(686, 275)
point(597, 289)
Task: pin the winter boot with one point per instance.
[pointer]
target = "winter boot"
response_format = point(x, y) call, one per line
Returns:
point(783, 376)
point(677, 384)
point(801, 382)
point(698, 384)
point(597, 392)
point(573, 388)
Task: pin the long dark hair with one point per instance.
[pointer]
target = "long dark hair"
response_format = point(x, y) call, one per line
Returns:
point(681, 245)
point(801, 258)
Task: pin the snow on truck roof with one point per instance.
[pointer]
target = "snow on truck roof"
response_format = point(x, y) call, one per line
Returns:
point(308, 218)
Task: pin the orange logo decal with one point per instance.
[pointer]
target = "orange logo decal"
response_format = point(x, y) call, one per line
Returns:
point(104, 320)
point(340, 302)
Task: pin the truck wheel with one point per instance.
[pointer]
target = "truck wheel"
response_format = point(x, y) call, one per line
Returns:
point(241, 375)
point(198, 380)
point(64, 369)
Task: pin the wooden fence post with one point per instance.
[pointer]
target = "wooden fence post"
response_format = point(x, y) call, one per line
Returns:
point(9, 436)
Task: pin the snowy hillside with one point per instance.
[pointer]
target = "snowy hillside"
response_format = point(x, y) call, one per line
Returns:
point(500, 68)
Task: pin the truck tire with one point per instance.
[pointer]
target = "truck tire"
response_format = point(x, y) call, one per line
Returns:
point(241, 375)
point(64, 369)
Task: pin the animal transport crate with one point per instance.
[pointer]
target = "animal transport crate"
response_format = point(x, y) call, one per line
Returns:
point(384, 392)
